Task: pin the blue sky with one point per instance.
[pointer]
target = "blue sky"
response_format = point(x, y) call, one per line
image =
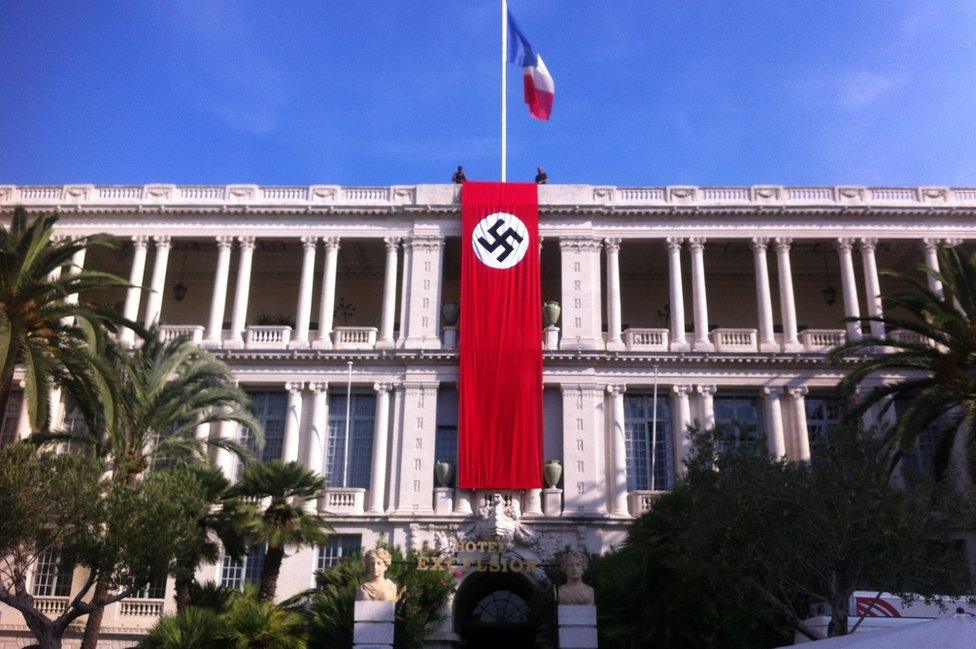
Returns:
point(383, 92)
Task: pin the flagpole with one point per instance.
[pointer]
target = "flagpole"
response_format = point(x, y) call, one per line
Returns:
point(504, 91)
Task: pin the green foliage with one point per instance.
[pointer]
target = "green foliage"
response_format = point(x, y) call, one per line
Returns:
point(192, 628)
point(253, 624)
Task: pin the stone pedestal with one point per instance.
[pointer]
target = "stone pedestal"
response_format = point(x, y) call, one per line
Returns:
point(577, 627)
point(551, 337)
point(552, 501)
point(462, 502)
point(449, 337)
point(533, 502)
point(443, 500)
point(374, 625)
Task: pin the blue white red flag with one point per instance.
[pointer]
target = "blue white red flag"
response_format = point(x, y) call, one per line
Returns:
point(540, 89)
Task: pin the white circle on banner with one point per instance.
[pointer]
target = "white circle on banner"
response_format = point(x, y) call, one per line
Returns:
point(500, 240)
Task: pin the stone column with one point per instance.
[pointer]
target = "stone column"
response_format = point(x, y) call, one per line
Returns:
point(618, 467)
point(241, 294)
point(580, 278)
point(303, 314)
point(930, 249)
point(872, 285)
point(702, 343)
point(584, 453)
point(225, 460)
point(219, 299)
point(318, 440)
point(848, 285)
point(764, 297)
point(679, 342)
point(293, 422)
point(154, 301)
point(791, 342)
point(799, 409)
point(377, 482)
point(775, 439)
point(706, 395)
point(612, 247)
point(23, 417)
point(420, 319)
point(682, 419)
point(389, 294)
point(327, 300)
point(131, 309)
point(77, 265)
point(416, 474)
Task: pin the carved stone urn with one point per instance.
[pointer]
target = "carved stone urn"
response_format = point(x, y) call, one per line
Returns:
point(450, 312)
point(552, 471)
point(550, 313)
point(444, 472)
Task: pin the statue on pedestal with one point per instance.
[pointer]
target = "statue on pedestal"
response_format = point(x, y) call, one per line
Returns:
point(377, 588)
point(574, 591)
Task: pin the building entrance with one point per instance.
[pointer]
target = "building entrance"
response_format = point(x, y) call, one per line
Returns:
point(492, 610)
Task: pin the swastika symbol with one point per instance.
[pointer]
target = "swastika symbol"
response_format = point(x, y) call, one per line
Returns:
point(500, 240)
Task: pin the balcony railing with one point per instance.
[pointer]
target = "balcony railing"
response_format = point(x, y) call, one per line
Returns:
point(734, 340)
point(51, 606)
point(267, 337)
point(640, 502)
point(909, 337)
point(639, 340)
point(141, 607)
point(347, 501)
point(168, 333)
point(354, 337)
point(821, 340)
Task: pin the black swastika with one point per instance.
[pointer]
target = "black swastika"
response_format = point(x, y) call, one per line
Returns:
point(500, 240)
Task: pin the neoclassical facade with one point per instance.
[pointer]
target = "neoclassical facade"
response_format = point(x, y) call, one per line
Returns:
point(678, 304)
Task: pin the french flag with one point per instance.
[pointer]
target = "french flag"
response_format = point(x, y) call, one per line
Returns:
point(540, 89)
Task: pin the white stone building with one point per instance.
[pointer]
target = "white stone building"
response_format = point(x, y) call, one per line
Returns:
point(721, 301)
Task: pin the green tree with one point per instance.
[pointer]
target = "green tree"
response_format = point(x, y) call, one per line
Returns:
point(193, 627)
point(41, 329)
point(60, 503)
point(285, 519)
point(254, 624)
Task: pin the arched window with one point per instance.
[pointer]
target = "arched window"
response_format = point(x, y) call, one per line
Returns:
point(501, 607)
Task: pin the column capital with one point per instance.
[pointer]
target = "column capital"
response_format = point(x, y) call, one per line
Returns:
point(616, 389)
point(759, 244)
point(413, 387)
point(697, 244)
point(612, 244)
point(783, 244)
point(246, 243)
point(140, 241)
point(772, 392)
point(425, 242)
point(674, 243)
point(382, 388)
point(224, 243)
point(681, 390)
point(391, 243)
point(294, 389)
point(580, 244)
point(319, 387)
point(331, 243)
point(868, 244)
point(952, 241)
point(930, 243)
point(845, 244)
point(162, 241)
point(309, 242)
point(706, 390)
point(798, 392)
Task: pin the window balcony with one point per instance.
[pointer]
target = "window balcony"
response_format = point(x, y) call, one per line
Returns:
point(355, 337)
point(343, 501)
point(141, 607)
point(168, 333)
point(51, 606)
point(267, 337)
point(640, 502)
point(646, 340)
point(734, 340)
point(821, 340)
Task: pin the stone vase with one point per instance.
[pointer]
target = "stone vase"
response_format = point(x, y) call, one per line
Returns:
point(450, 312)
point(444, 472)
point(552, 471)
point(550, 313)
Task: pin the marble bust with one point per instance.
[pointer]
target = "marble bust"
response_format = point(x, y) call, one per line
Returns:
point(377, 588)
point(574, 591)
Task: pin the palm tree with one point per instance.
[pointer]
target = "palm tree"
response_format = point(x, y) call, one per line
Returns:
point(255, 624)
point(41, 329)
point(938, 356)
point(285, 521)
point(193, 627)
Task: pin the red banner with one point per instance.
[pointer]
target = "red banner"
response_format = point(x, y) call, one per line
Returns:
point(500, 422)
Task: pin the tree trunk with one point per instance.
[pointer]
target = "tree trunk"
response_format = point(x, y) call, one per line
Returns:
point(839, 600)
point(93, 625)
point(183, 598)
point(269, 574)
point(47, 633)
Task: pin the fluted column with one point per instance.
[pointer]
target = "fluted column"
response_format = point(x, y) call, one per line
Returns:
point(679, 342)
point(327, 301)
point(702, 343)
point(293, 422)
point(389, 294)
point(77, 265)
point(612, 248)
point(318, 439)
point(872, 285)
point(377, 482)
point(131, 309)
point(764, 297)
point(154, 301)
point(304, 313)
point(799, 409)
point(242, 293)
point(218, 300)
point(791, 342)
point(706, 395)
point(618, 468)
point(848, 285)
point(930, 249)
point(682, 419)
point(775, 439)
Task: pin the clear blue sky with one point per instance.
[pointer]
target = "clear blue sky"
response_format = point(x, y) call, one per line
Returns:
point(383, 92)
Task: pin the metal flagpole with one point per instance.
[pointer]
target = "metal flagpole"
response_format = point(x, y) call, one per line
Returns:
point(504, 90)
point(345, 443)
point(654, 433)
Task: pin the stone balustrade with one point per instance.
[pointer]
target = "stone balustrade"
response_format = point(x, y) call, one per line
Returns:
point(651, 340)
point(640, 502)
point(354, 337)
point(343, 501)
point(141, 608)
point(267, 337)
point(821, 340)
point(734, 340)
point(51, 606)
point(168, 333)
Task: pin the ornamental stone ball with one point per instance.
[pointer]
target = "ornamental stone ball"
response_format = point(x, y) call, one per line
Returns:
point(574, 591)
point(377, 588)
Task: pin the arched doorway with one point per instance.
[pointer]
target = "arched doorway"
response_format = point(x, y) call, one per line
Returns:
point(492, 610)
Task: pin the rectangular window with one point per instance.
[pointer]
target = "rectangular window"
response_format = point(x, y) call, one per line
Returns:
point(153, 590)
point(338, 547)
point(362, 415)
point(823, 415)
point(234, 574)
point(52, 578)
point(920, 462)
point(446, 435)
point(648, 442)
point(8, 427)
point(741, 419)
point(270, 409)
